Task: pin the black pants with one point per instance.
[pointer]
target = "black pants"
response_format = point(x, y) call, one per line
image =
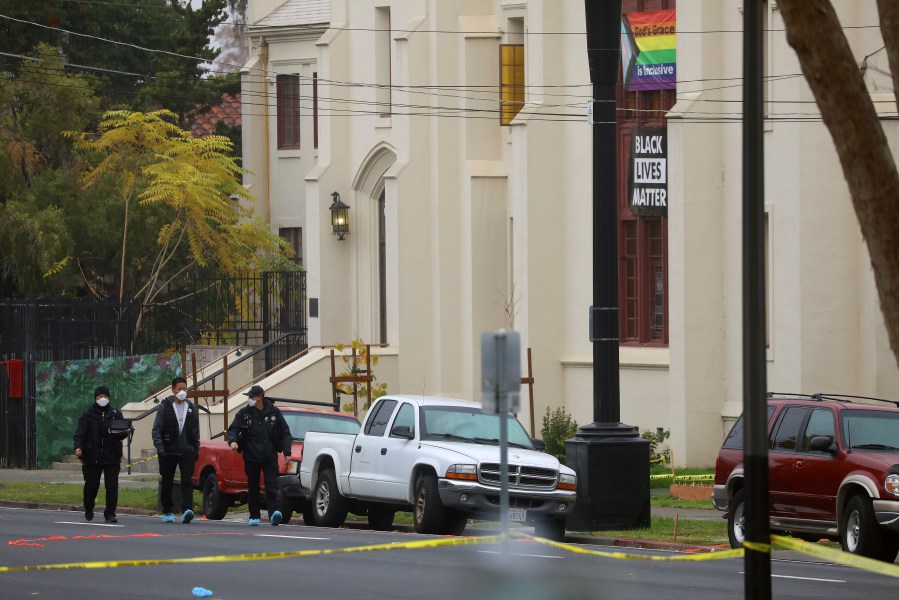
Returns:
point(92, 486)
point(167, 466)
point(269, 469)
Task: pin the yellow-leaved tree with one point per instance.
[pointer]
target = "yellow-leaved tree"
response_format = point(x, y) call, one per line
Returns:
point(149, 161)
point(359, 363)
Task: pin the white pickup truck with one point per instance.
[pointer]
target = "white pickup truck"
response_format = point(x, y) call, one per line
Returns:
point(441, 458)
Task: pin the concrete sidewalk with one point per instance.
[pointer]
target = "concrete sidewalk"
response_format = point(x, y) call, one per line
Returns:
point(137, 480)
point(149, 480)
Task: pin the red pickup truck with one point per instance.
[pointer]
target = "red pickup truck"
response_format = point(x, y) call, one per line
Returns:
point(219, 471)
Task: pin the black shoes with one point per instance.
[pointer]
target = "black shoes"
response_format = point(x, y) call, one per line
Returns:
point(89, 515)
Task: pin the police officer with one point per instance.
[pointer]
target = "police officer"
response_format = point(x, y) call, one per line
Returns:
point(259, 431)
point(100, 452)
point(176, 435)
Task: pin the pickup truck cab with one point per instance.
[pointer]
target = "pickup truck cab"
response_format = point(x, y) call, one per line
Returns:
point(440, 458)
point(219, 471)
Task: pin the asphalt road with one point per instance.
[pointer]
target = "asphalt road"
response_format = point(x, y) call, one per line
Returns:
point(522, 569)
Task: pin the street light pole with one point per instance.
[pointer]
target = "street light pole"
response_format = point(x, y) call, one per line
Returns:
point(610, 458)
point(757, 560)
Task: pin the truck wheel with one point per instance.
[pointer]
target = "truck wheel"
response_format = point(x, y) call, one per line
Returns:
point(380, 519)
point(215, 502)
point(550, 529)
point(309, 517)
point(454, 521)
point(736, 520)
point(859, 532)
point(427, 514)
point(328, 506)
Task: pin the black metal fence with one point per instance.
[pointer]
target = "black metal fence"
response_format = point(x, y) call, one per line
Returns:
point(17, 414)
point(243, 311)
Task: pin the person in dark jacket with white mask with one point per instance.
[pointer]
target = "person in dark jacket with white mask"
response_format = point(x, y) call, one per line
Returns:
point(259, 431)
point(100, 451)
point(176, 435)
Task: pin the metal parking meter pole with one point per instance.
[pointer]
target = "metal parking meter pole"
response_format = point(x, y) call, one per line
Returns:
point(500, 386)
point(504, 470)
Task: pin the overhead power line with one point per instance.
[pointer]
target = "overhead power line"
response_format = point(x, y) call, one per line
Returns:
point(451, 92)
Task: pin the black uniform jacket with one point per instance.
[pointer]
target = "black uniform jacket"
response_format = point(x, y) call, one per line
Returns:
point(98, 445)
point(260, 434)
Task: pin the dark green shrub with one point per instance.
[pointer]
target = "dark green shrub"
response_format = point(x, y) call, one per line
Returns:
point(558, 426)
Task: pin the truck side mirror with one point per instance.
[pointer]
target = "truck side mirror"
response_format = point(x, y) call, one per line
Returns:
point(402, 431)
point(538, 444)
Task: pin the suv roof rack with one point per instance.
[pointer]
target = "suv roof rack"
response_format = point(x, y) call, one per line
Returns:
point(850, 398)
point(821, 396)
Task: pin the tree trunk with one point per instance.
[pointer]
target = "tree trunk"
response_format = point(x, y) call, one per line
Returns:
point(814, 32)
point(124, 247)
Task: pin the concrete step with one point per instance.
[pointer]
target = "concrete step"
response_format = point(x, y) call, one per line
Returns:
point(141, 461)
point(67, 466)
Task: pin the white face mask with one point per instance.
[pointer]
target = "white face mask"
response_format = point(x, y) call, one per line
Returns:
point(182, 395)
point(251, 403)
point(101, 402)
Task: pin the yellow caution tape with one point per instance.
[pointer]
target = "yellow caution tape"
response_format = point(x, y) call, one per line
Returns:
point(757, 546)
point(154, 457)
point(811, 549)
point(429, 543)
point(713, 555)
point(838, 556)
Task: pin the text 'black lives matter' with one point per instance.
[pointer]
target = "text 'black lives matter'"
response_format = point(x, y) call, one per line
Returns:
point(647, 175)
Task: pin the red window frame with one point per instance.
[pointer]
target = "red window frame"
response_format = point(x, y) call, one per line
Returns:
point(315, 110)
point(288, 99)
point(642, 240)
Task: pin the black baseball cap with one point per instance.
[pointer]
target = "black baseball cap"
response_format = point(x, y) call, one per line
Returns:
point(255, 391)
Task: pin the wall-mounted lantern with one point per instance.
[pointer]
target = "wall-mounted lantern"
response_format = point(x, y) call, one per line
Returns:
point(340, 217)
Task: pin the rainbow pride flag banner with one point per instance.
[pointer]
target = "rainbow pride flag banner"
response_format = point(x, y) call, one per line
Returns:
point(649, 50)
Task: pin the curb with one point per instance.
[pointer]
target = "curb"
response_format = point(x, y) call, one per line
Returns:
point(570, 538)
point(121, 510)
point(578, 538)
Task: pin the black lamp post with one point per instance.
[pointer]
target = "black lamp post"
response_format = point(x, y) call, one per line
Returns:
point(611, 459)
point(340, 217)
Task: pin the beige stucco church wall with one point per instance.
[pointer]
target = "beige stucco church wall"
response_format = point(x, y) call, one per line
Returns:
point(484, 221)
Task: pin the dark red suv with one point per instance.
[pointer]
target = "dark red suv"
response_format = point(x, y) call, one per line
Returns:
point(833, 468)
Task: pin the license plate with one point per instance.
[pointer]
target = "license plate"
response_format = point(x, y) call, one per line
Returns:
point(519, 515)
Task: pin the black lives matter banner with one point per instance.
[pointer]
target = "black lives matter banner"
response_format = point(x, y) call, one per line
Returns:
point(647, 176)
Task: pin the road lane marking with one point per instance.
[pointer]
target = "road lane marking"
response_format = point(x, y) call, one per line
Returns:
point(91, 524)
point(821, 579)
point(292, 537)
point(520, 554)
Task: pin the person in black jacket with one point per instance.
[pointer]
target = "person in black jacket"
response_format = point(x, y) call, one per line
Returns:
point(259, 431)
point(176, 435)
point(100, 452)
